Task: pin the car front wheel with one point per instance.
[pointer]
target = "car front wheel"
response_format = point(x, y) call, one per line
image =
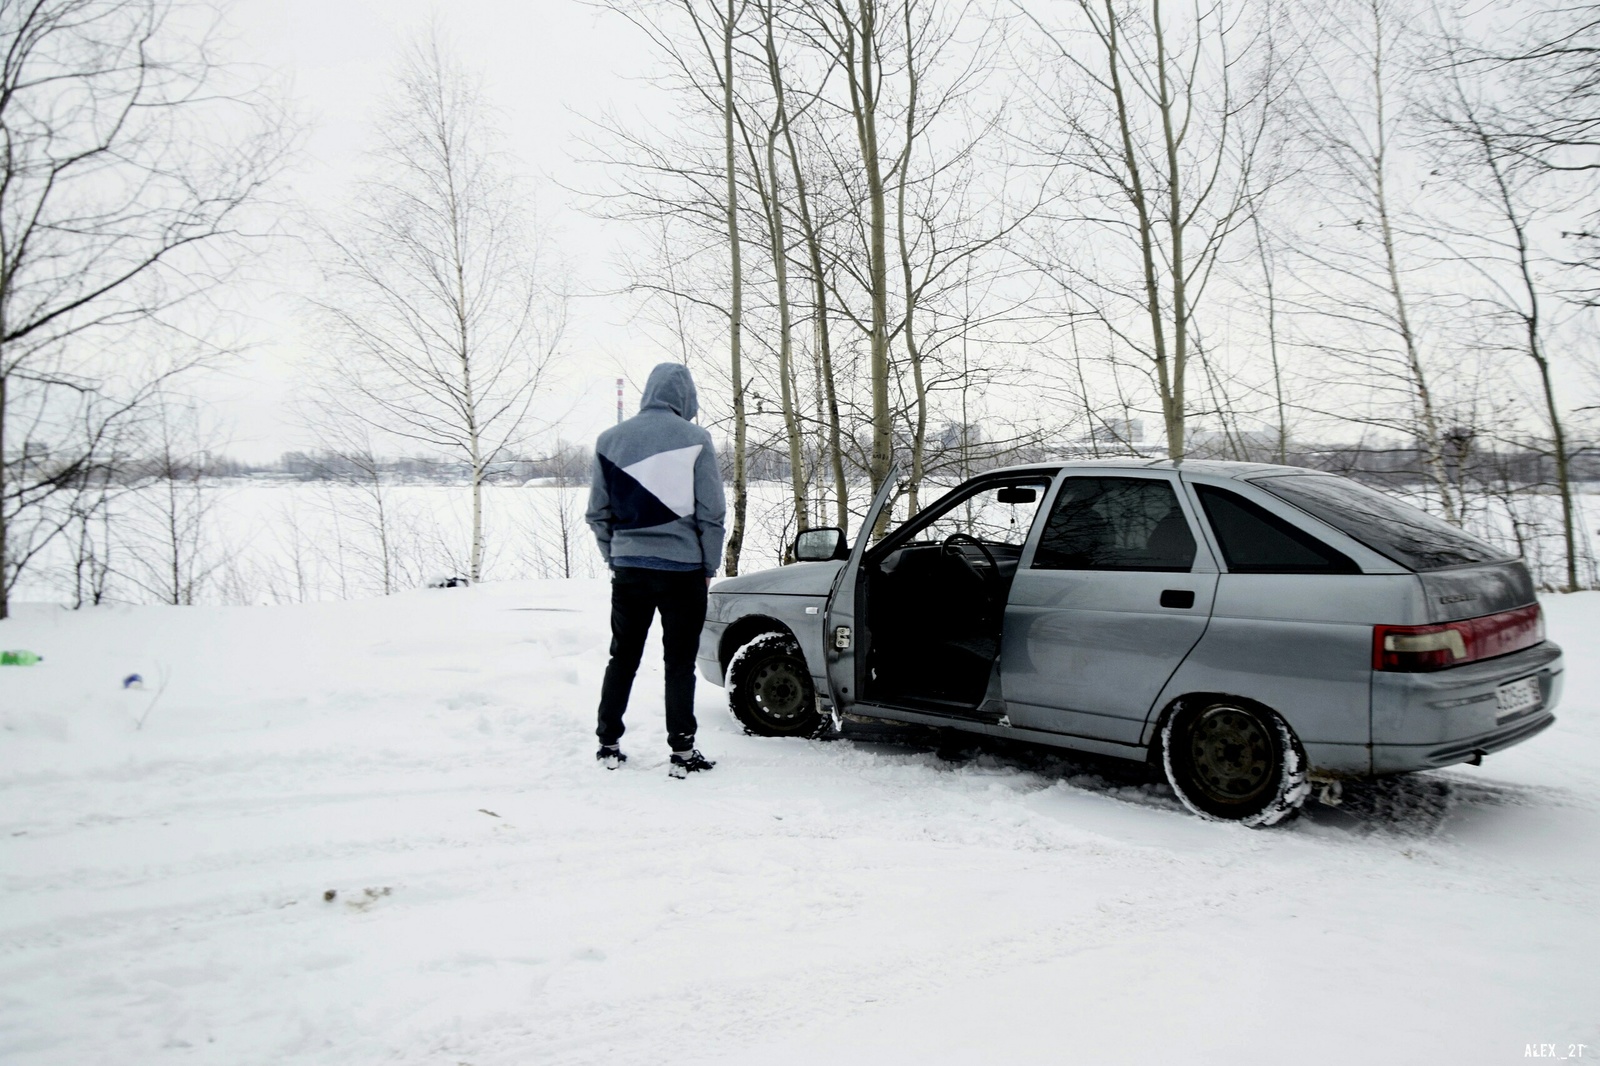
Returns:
point(770, 690)
point(1234, 761)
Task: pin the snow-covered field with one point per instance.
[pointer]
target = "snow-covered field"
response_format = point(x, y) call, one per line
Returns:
point(501, 900)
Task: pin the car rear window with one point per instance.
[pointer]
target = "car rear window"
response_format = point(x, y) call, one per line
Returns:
point(1255, 541)
point(1408, 535)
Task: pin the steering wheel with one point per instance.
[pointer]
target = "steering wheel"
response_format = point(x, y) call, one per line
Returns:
point(991, 578)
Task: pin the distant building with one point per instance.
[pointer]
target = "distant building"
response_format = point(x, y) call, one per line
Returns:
point(1119, 431)
point(518, 470)
point(1255, 445)
point(956, 434)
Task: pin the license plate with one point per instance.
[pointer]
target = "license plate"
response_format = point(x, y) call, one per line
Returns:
point(1517, 696)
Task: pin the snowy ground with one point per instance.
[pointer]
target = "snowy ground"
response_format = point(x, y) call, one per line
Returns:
point(500, 900)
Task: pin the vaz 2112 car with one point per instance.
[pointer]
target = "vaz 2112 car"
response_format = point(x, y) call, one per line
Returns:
point(1243, 626)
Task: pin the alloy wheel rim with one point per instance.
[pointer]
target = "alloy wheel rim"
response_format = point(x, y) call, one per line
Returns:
point(1232, 754)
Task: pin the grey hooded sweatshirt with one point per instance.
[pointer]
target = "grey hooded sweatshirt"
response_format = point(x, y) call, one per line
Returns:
point(655, 500)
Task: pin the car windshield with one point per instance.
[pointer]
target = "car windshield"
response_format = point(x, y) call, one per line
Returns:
point(1410, 536)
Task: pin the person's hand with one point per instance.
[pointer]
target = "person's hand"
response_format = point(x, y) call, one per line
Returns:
point(708, 581)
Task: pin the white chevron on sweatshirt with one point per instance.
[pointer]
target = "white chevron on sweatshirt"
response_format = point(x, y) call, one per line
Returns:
point(670, 477)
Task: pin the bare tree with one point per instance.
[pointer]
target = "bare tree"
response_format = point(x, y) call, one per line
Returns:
point(92, 546)
point(356, 468)
point(685, 181)
point(1507, 185)
point(351, 461)
point(71, 432)
point(1363, 271)
point(166, 525)
point(445, 320)
point(1552, 114)
point(555, 530)
point(728, 30)
point(858, 37)
point(823, 95)
point(1266, 257)
point(1549, 113)
point(769, 185)
point(1160, 123)
point(827, 390)
point(128, 155)
point(885, 121)
point(957, 208)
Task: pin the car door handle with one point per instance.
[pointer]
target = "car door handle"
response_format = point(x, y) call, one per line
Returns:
point(1179, 598)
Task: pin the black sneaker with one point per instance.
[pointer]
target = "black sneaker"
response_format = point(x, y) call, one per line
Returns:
point(611, 755)
point(685, 763)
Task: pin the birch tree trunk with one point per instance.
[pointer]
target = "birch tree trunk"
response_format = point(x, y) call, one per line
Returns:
point(824, 340)
point(735, 304)
point(1269, 284)
point(780, 270)
point(772, 199)
point(1177, 265)
point(469, 392)
point(862, 77)
point(1431, 439)
point(919, 429)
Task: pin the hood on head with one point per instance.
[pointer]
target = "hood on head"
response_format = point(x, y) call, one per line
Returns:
point(671, 386)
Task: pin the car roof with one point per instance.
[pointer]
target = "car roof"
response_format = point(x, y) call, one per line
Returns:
point(1214, 467)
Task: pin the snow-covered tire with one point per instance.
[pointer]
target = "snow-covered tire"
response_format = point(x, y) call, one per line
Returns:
point(1232, 761)
point(770, 690)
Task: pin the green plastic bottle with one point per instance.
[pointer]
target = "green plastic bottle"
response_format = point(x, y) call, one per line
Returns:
point(19, 658)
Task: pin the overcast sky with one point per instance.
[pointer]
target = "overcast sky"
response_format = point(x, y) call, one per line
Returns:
point(545, 64)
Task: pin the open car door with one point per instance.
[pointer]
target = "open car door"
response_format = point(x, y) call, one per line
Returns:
point(844, 641)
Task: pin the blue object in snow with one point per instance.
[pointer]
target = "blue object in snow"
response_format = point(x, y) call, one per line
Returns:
point(133, 681)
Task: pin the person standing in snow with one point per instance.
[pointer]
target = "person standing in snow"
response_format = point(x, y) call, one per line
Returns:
point(657, 510)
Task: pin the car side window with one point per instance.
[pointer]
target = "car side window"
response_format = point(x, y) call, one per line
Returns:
point(1256, 541)
point(1001, 515)
point(1116, 523)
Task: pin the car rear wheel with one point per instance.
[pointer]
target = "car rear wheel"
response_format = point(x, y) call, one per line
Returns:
point(1233, 761)
point(770, 690)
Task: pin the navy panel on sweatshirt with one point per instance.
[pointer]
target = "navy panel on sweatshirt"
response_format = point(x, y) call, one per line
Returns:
point(632, 505)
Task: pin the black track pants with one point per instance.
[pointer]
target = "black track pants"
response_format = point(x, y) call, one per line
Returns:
point(636, 595)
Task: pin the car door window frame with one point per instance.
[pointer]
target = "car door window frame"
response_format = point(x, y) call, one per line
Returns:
point(1205, 552)
point(939, 508)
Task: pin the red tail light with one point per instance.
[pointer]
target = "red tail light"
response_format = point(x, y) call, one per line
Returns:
point(1413, 649)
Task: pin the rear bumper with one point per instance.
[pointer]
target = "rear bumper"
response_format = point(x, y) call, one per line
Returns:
point(1391, 758)
point(1428, 720)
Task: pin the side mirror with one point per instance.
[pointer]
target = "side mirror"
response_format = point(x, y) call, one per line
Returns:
point(820, 545)
point(1017, 494)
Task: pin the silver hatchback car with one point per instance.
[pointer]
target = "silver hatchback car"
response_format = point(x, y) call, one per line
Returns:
point(1246, 627)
